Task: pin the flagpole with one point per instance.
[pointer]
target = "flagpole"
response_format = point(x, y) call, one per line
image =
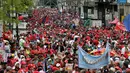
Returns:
point(118, 11)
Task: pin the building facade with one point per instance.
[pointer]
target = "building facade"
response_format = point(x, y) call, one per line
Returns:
point(103, 10)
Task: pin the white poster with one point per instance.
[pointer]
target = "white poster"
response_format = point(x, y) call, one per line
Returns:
point(82, 12)
point(96, 23)
point(69, 67)
point(21, 25)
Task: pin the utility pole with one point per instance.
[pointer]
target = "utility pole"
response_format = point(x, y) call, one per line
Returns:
point(17, 31)
point(118, 11)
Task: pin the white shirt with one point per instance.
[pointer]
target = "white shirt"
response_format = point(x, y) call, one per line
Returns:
point(7, 48)
point(71, 42)
point(76, 36)
point(41, 71)
point(123, 50)
point(21, 42)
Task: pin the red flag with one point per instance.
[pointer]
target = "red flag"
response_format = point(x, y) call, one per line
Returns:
point(119, 26)
point(47, 19)
point(20, 18)
point(115, 21)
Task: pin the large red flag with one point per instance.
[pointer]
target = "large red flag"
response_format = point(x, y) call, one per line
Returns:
point(114, 21)
point(120, 26)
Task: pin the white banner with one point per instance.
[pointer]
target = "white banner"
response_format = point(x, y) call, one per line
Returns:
point(96, 23)
point(21, 25)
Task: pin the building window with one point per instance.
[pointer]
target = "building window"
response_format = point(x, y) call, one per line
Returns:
point(121, 11)
point(91, 10)
point(115, 8)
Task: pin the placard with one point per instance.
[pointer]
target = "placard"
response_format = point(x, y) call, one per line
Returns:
point(96, 23)
point(69, 67)
point(21, 25)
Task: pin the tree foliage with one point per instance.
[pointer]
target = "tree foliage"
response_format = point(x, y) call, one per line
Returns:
point(8, 7)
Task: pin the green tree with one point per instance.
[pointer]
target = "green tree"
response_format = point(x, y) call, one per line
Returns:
point(8, 7)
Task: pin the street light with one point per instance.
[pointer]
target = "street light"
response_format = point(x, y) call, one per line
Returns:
point(14, 15)
point(17, 34)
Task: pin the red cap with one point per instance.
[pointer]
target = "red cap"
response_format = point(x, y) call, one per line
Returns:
point(31, 66)
point(126, 56)
point(26, 45)
point(34, 51)
point(40, 64)
point(35, 72)
point(28, 59)
point(55, 68)
point(13, 61)
point(112, 54)
point(118, 68)
point(20, 18)
point(23, 62)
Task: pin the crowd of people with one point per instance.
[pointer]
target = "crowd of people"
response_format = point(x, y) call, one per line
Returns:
point(53, 48)
point(52, 16)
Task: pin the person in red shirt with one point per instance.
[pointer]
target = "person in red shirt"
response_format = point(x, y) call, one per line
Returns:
point(23, 69)
point(31, 68)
